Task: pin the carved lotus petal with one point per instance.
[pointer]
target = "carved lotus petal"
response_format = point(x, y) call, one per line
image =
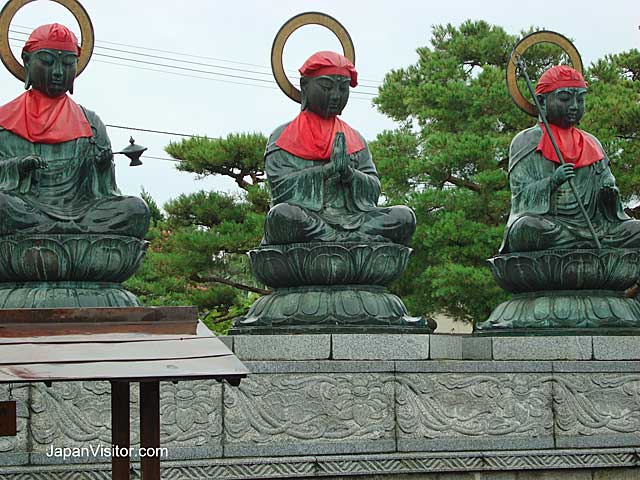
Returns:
point(332, 267)
point(69, 257)
point(322, 263)
point(606, 269)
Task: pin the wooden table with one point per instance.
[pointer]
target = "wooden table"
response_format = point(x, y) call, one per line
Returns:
point(122, 345)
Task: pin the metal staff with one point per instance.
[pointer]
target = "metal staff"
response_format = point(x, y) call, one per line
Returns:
point(522, 67)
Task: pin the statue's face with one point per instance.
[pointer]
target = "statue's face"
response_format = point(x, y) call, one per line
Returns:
point(326, 95)
point(52, 72)
point(565, 106)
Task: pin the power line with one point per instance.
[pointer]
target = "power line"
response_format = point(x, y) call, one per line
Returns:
point(354, 95)
point(227, 75)
point(154, 131)
point(186, 75)
point(161, 158)
point(192, 56)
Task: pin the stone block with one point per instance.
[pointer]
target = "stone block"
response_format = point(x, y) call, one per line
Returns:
point(282, 347)
point(555, 475)
point(477, 348)
point(617, 474)
point(309, 414)
point(380, 347)
point(15, 450)
point(445, 347)
point(493, 412)
point(596, 409)
point(542, 348)
point(321, 366)
point(456, 366)
point(78, 414)
point(616, 348)
point(228, 341)
point(594, 366)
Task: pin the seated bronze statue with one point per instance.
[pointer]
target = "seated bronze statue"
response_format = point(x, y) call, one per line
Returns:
point(545, 213)
point(57, 172)
point(324, 185)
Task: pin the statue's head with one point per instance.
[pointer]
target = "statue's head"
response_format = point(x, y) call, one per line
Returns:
point(50, 59)
point(561, 92)
point(326, 78)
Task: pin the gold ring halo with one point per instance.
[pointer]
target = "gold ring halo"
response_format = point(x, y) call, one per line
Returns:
point(543, 36)
point(78, 11)
point(307, 18)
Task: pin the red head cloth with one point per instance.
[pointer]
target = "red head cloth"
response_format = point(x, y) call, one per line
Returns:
point(329, 63)
point(53, 36)
point(560, 76)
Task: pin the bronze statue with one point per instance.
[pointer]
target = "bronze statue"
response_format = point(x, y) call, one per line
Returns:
point(328, 250)
point(544, 211)
point(68, 237)
point(324, 184)
point(56, 165)
point(569, 252)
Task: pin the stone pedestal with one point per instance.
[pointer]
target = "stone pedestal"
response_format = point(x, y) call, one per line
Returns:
point(353, 406)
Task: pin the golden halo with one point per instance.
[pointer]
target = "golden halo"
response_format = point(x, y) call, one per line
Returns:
point(543, 36)
point(294, 23)
point(78, 11)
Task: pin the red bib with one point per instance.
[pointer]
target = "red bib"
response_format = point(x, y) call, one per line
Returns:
point(310, 136)
point(42, 119)
point(575, 145)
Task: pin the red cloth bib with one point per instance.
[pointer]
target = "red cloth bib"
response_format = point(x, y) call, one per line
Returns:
point(575, 145)
point(310, 136)
point(42, 119)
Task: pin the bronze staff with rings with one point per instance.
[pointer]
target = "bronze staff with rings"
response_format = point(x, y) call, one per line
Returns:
point(569, 251)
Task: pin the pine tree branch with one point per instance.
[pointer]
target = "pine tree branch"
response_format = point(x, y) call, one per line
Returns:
point(231, 283)
point(459, 182)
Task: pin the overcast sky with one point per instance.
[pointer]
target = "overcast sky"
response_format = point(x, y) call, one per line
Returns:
point(386, 34)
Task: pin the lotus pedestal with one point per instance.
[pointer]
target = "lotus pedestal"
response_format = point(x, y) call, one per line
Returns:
point(566, 289)
point(324, 287)
point(68, 270)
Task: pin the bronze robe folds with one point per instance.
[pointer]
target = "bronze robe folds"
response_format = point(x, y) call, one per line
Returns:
point(307, 207)
point(76, 193)
point(544, 217)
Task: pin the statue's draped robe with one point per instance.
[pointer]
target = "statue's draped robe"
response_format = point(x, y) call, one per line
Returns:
point(543, 217)
point(75, 194)
point(308, 207)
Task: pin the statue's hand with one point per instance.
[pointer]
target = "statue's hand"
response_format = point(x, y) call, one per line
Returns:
point(562, 174)
point(104, 158)
point(339, 157)
point(31, 163)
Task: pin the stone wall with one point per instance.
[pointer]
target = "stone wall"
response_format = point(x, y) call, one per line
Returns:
point(402, 406)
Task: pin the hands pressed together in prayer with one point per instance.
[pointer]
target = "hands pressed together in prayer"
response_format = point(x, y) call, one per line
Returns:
point(339, 164)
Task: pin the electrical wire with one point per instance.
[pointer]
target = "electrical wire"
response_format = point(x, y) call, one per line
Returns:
point(226, 75)
point(354, 95)
point(377, 82)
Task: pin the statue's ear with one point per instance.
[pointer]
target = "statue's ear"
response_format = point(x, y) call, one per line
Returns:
point(27, 78)
point(542, 99)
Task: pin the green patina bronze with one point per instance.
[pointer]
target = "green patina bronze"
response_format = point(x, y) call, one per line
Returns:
point(329, 251)
point(68, 237)
point(549, 260)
